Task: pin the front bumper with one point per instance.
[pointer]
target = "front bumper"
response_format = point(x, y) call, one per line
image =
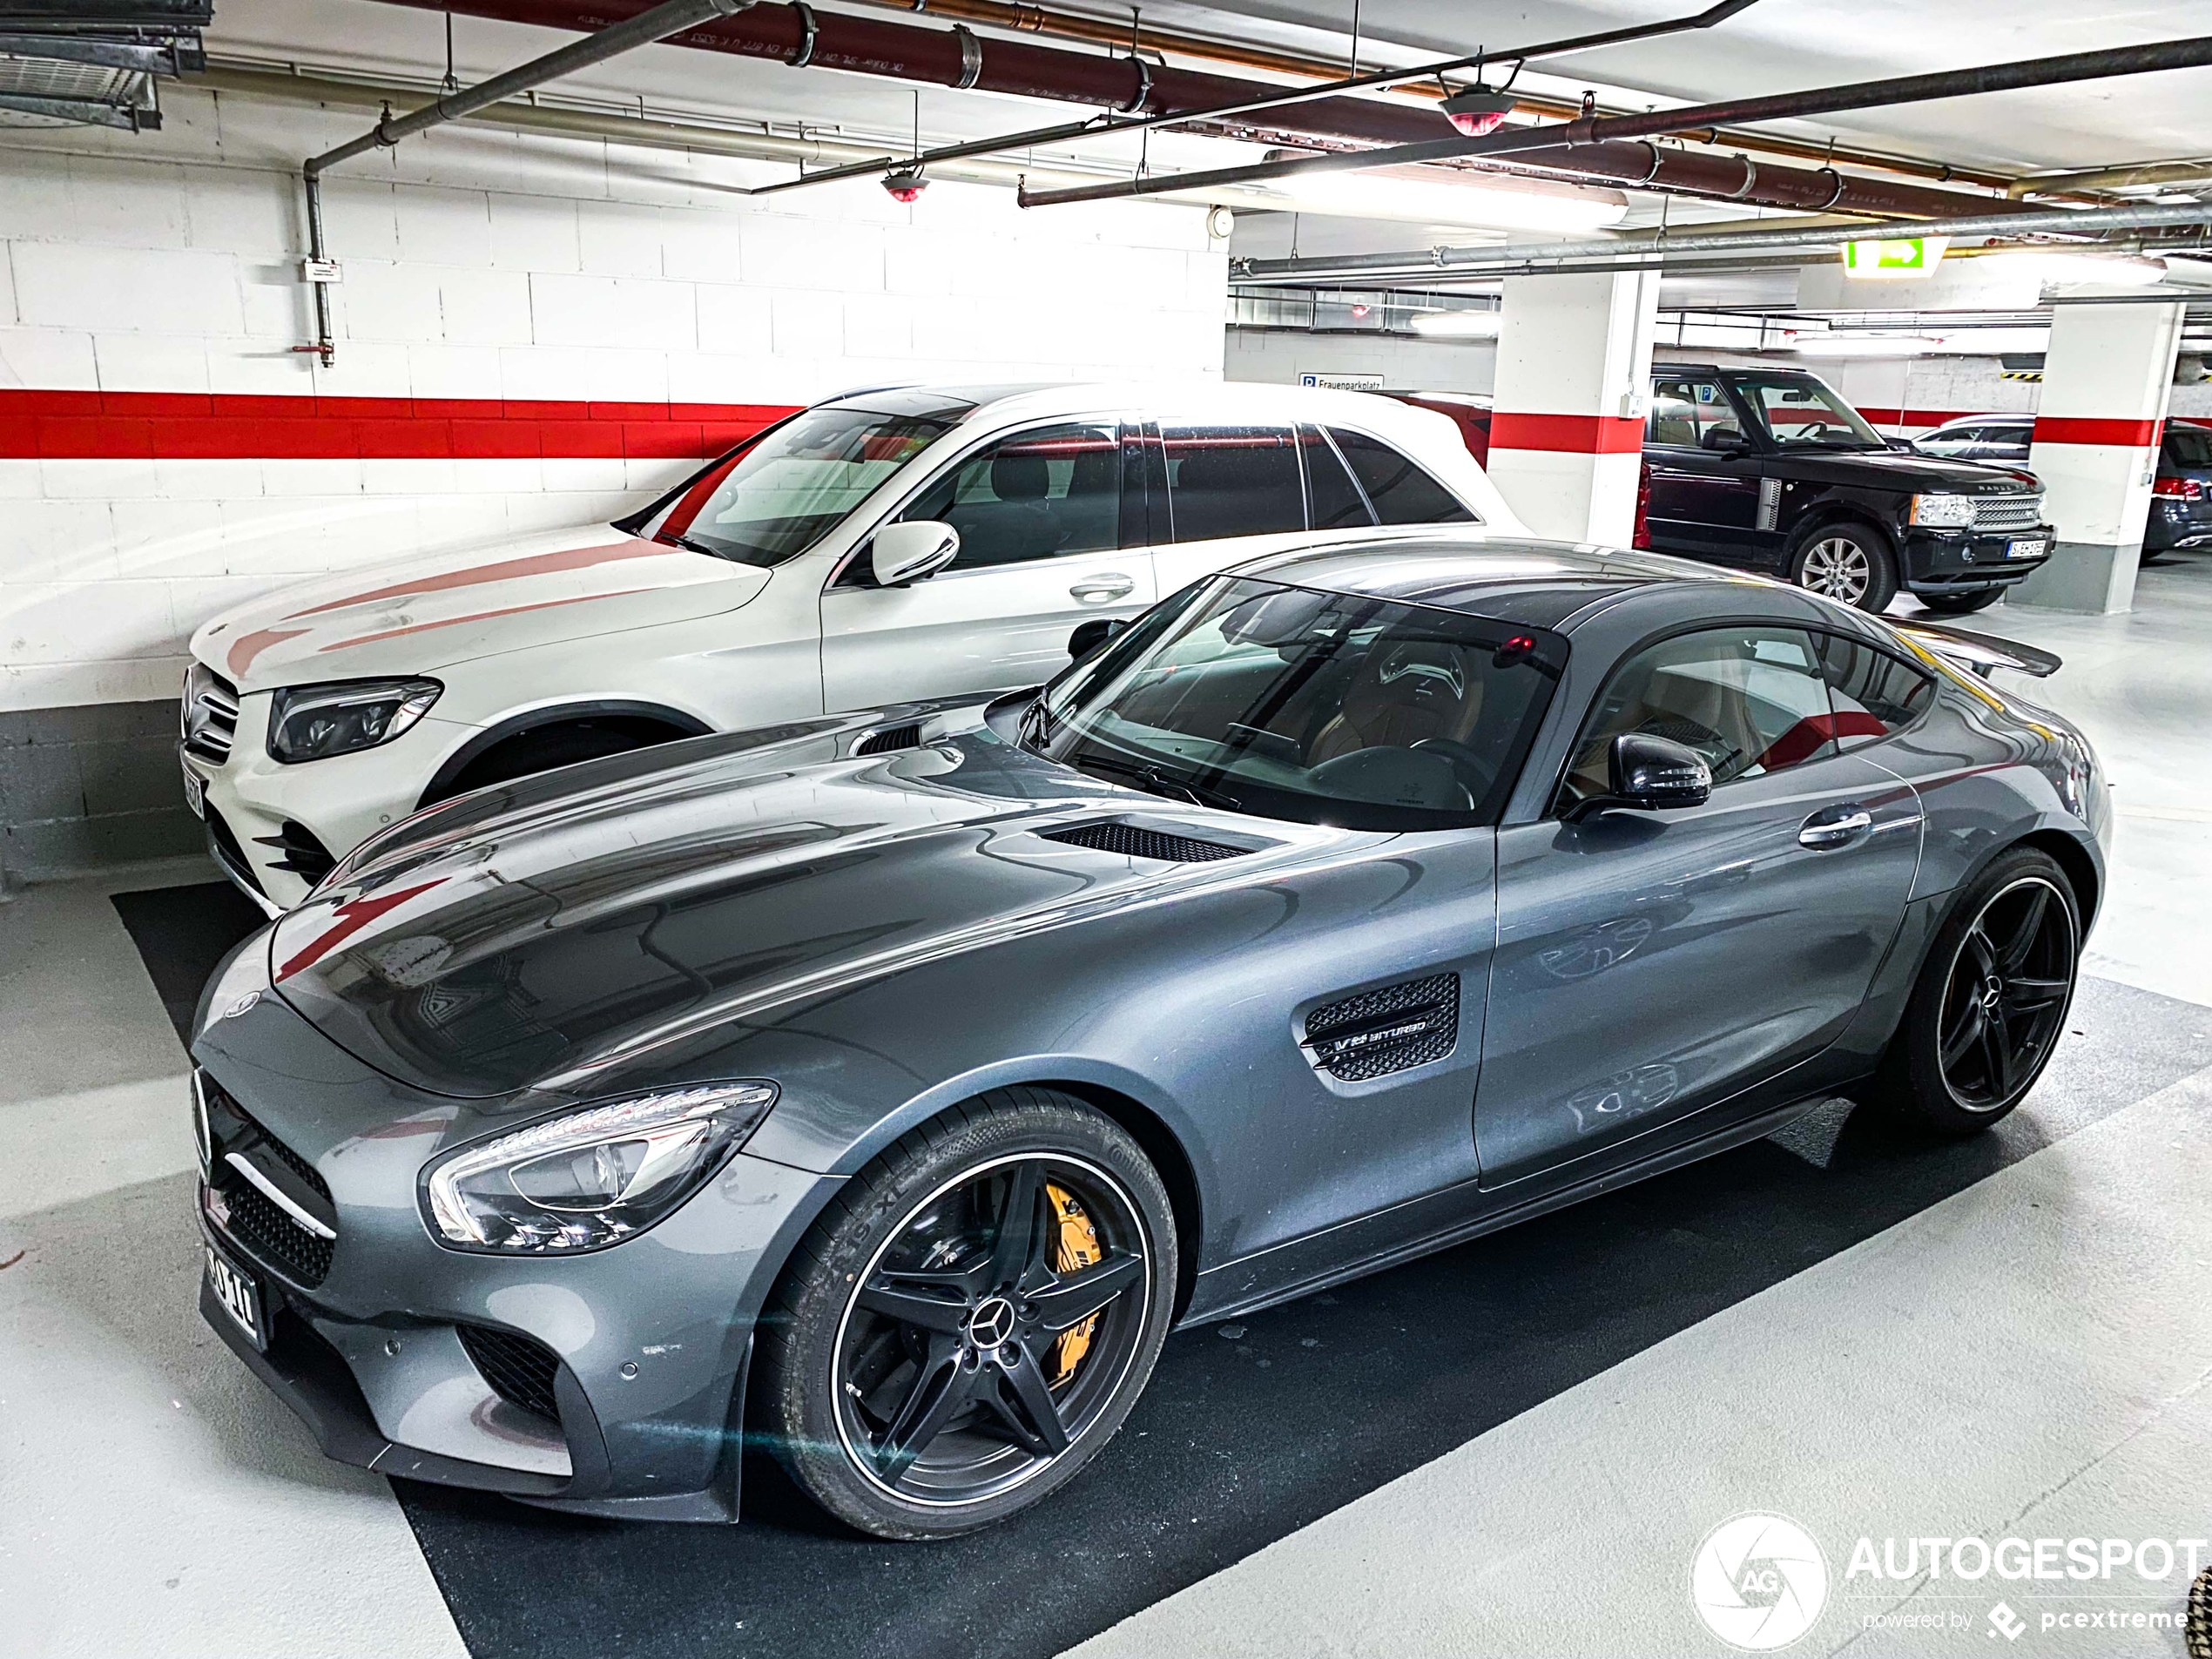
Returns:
point(647, 1343)
point(1967, 561)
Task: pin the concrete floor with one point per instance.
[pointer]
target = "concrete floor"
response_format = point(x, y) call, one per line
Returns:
point(2028, 1357)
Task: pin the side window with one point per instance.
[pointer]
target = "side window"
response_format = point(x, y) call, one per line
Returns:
point(1748, 700)
point(1336, 501)
point(1232, 480)
point(1037, 495)
point(1873, 694)
point(1401, 492)
point(1684, 408)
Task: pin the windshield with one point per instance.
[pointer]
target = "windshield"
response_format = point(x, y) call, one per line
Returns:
point(1800, 413)
point(1320, 708)
point(780, 495)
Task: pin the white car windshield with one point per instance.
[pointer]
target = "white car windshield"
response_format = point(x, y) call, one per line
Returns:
point(779, 495)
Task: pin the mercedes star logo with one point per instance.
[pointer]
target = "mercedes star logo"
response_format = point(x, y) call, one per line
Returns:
point(992, 1322)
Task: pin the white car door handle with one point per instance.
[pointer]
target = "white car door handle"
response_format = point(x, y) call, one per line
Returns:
point(1100, 589)
point(1822, 830)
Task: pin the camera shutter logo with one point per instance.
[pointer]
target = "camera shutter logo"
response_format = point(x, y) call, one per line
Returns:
point(1758, 1582)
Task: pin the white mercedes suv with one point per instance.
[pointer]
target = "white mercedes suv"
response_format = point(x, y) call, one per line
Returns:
point(897, 544)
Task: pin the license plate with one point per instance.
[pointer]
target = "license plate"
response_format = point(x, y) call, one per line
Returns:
point(2029, 550)
point(239, 1294)
point(195, 792)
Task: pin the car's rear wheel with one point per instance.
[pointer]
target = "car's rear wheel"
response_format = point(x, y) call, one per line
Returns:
point(972, 1318)
point(1847, 561)
point(1992, 999)
point(1957, 605)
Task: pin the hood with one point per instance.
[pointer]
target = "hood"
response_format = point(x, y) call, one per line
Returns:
point(414, 615)
point(594, 935)
point(1906, 471)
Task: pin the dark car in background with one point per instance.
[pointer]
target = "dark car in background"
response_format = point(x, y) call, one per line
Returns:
point(1770, 468)
point(2180, 492)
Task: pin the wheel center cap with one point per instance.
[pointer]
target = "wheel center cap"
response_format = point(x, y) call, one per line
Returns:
point(992, 1322)
point(1992, 993)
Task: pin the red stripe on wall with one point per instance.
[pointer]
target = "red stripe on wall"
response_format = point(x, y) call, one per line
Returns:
point(2082, 429)
point(1587, 435)
point(117, 425)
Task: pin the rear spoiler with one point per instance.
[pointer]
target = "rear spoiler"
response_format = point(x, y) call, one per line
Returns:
point(1981, 654)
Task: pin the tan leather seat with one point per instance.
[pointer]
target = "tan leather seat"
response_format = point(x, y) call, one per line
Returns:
point(1408, 692)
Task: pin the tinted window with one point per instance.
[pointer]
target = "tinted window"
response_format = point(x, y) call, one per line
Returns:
point(1748, 700)
point(1872, 694)
point(1232, 480)
point(1685, 407)
point(2189, 446)
point(1401, 492)
point(1336, 501)
point(1037, 495)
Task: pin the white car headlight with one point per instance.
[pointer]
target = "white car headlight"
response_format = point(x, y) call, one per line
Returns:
point(311, 722)
point(591, 1178)
point(1943, 512)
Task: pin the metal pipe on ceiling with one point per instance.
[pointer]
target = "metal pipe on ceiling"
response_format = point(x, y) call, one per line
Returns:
point(1590, 130)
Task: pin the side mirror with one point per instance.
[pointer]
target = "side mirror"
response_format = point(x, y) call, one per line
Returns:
point(1091, 636)
point(1726, 440)
point(908, 552)
point(1655, 773)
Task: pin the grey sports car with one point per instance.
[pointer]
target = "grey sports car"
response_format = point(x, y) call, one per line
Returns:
point(879, 1091)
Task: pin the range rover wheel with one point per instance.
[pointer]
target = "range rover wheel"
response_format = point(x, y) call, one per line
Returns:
point(1957, 605)
point(1847, 561)
point(972, 1318)
point(1992, 999)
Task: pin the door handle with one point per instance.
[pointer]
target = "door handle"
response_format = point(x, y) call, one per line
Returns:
point(1099, 590)
point(1824, 830)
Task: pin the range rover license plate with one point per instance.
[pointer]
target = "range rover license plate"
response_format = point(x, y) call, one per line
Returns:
point(2033, 548)
point(239, 1294)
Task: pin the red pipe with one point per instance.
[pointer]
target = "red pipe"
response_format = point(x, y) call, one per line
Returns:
point(866, 46)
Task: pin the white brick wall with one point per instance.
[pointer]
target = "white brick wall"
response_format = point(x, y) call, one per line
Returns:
point(480, 265)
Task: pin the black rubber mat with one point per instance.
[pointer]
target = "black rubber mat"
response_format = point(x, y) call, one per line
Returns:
point(1253, 1429)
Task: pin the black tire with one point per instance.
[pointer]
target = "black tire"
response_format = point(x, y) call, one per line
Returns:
point(2152, 555)
point(875, 1323)
point(2011, 948)
point(1848, 562)
point(527, 753)
point(1959, 605)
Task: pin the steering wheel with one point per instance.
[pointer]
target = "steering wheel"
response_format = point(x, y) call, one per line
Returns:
point(1476, 774)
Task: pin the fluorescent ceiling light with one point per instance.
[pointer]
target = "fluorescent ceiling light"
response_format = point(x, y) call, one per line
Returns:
point(2105, 270)
point(1458, 325)
point(1478, 203)
point(1834, 344)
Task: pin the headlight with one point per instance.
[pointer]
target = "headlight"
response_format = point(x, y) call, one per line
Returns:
point(310, 722)
point(594, 1176)
point(1943, 512)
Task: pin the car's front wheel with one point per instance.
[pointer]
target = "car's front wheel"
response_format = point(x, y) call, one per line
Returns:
point(1992, 999)
point(972, 1318)
point(1847, 562)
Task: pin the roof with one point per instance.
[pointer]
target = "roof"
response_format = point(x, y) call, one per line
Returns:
point(1540, 584)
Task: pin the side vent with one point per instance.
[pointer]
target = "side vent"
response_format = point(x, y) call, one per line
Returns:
point(1378, 1032)
point(887, 739)
point(1134, 842)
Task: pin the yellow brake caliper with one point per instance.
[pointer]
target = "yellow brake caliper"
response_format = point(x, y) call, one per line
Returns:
point(1077, 1249)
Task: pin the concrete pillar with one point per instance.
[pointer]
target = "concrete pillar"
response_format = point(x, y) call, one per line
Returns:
point(1574, 381)
point(2107, 380)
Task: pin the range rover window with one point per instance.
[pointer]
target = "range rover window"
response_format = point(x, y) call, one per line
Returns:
point(1336, 501)
point(1314, 707)
point(1399, 490)
point(1232, 480)
point(777, 497)
point(1872, 693)
point(1685, 407)
point(1037, 494)
point(1799, 413)
point(1750, 700)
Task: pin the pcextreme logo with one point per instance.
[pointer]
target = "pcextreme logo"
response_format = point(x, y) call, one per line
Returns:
point(1758, 1582)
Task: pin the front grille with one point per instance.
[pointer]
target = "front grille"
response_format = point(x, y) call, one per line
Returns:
point(222, 841)
point(251, 1217)
point(519, 1371)
point(209, 718)
point(1997, 514)
point(1391, 1029)
point(890, 738)
point(1133, 842)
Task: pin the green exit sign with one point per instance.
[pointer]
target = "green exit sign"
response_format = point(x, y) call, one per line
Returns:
point(1899, 256)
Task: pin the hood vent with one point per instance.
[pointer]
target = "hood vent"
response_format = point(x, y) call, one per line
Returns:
point(1391, 1029)
point(1133, 842)
point(887, 739)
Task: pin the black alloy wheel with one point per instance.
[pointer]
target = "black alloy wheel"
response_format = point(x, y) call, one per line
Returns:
point(1991, 1001)
point(972, 1325)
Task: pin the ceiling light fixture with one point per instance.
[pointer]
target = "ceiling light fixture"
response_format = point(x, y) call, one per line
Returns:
point(1458, 325)
point(1478, 109)
point(2105, 270)
point(1467, 200)
point(1834, 344)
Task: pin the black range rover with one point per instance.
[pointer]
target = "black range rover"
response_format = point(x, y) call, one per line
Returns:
point(1770, 468)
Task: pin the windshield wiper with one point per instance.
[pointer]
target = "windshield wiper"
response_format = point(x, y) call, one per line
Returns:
point(690, 546)
point(1153, 781)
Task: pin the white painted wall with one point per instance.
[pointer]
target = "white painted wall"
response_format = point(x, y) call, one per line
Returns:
point(480, 265)
point(1278, 356)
